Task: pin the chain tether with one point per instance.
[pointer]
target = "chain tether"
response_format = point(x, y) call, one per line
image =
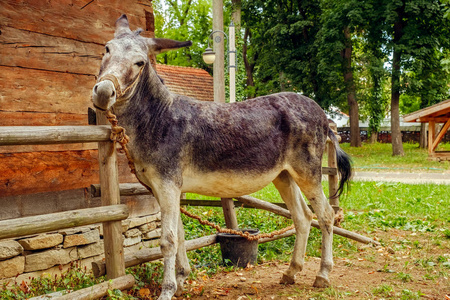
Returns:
point(118, 135)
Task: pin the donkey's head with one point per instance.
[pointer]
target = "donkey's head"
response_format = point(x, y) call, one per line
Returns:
point(126, 57)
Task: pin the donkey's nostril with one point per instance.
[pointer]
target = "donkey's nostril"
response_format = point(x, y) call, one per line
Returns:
point(113, 93)
point(95, 89)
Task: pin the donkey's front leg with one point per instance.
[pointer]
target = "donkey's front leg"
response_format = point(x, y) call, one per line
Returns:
point(170, 214)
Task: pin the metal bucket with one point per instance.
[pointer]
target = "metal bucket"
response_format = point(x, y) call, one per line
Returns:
point(237, 250)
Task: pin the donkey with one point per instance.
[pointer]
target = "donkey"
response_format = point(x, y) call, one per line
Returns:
point(183, 145)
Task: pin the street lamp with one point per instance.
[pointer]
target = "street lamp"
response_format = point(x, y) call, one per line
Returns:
point(209, 57)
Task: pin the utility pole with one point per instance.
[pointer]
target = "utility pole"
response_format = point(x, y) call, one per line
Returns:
point(219, 48)
point(219, 93)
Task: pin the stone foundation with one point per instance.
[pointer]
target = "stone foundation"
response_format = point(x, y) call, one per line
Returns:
point(51, 253)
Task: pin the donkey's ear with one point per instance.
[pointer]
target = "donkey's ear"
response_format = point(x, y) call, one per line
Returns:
point(122, 26)
point(157, 46)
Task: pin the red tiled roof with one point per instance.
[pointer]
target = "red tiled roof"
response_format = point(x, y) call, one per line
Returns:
point(192, 82)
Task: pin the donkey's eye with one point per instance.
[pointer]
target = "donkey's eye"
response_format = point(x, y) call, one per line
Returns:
point(140, 63)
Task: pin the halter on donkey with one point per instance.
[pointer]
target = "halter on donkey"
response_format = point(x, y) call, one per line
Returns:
point(183, 145)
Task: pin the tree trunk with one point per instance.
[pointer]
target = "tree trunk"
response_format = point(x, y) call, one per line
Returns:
point(355, 135)
point(236, 14)
point(396, 134)
point(423, 138)
point(373, 137)
point(248, 66)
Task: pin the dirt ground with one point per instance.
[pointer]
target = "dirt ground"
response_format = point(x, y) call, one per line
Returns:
point(408, 266)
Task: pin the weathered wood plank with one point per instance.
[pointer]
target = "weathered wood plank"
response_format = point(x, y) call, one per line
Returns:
point(46, 135)
point(27, 90)
point(27, 118)
point(44, 223)
point(48, 148)
point(31, 50)
point(99, 290)
point(68, 18)
point(37, 172)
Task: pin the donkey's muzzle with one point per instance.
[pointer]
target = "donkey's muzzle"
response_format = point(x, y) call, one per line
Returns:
point(104, 95)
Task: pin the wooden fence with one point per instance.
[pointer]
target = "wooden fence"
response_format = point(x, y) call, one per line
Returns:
point(112, 212)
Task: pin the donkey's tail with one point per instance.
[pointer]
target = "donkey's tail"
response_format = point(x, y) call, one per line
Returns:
point(344, 164)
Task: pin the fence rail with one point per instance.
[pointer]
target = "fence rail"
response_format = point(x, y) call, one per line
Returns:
point(47, 135)
point(110, 213)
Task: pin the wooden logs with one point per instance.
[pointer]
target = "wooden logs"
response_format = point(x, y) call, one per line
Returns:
point(150, 254)
point(44, 135)
point(101, 289)
point(285, 213)
point(44, 223)
point(126, 189)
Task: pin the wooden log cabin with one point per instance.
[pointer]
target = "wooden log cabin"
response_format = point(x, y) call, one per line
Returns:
point(50, 53)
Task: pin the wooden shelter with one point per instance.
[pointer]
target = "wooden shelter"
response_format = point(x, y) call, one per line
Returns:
point(435, 114)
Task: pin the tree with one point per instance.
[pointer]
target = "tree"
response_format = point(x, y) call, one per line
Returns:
point(417, 30)
point(279, 46)
point(342, 23)
point(184, 20)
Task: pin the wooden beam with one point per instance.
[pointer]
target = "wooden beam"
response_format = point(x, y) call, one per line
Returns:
point(68, 219)
point(441, 107)
point(109, 179)
point(229, 213)
point(285, 213)
point(441, 135)
point(99, 290)
point(45, 135)
point(126, 189)
point(150, 254)
point(440, 119)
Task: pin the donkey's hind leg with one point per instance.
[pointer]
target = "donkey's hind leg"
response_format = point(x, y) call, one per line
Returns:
point(325, 215)
point(182, 263)
point(301, 216)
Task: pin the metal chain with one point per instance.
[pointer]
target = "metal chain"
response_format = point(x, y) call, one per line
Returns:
point(118, 135)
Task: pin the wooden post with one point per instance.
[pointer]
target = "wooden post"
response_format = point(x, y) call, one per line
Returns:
point(332, 163)
point(219, 48)
point(431, 134)
point(109, 180)
point(219, 91)
point(229, 213)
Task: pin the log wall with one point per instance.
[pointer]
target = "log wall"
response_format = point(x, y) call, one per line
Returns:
point(50, 53)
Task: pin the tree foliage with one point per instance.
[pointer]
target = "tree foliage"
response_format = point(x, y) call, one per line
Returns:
point(397, 51)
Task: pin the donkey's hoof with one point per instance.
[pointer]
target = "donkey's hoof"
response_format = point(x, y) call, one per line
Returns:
point(321, 282)
point(287, 279)
point(179, 292)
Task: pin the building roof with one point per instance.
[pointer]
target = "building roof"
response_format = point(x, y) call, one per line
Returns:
point(192, 82)
point(438, 113)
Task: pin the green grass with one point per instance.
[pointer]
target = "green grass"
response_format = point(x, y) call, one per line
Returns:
point(378, 157)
